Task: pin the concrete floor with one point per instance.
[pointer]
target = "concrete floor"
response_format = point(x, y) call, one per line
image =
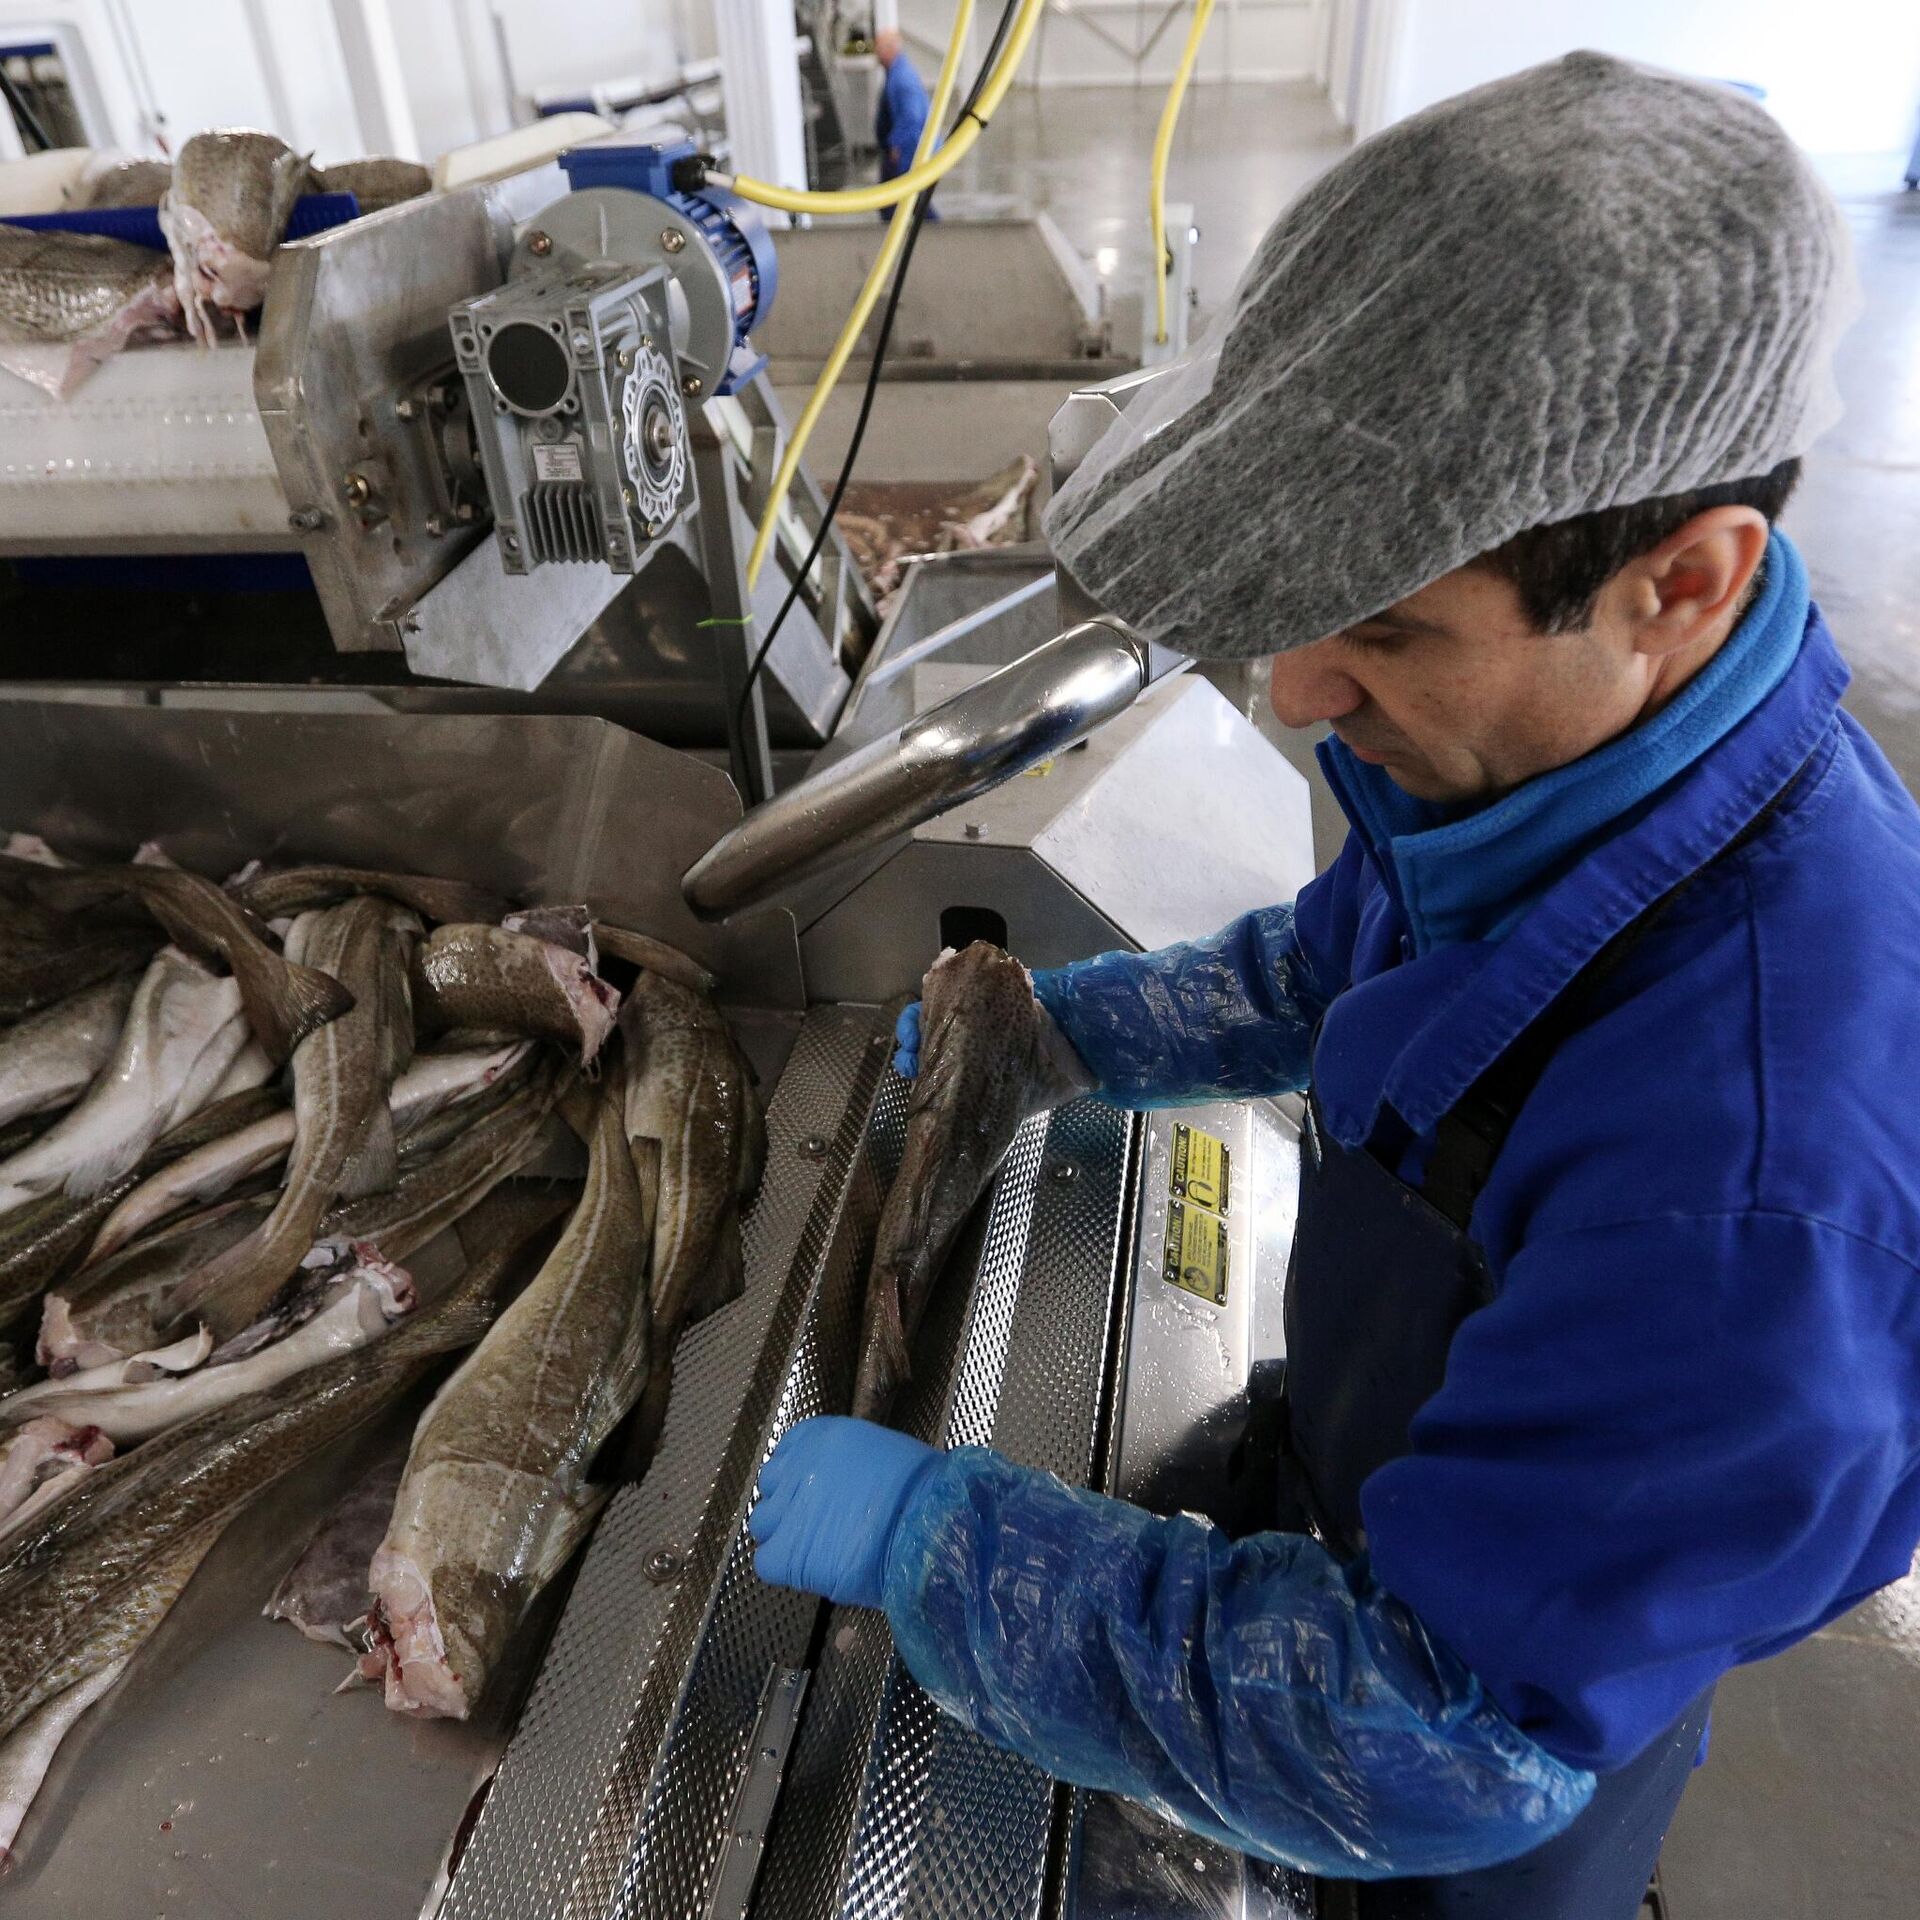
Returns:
point(1809, 1808)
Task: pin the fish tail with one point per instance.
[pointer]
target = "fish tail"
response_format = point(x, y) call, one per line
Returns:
point(235, 1288)
point(284, 1002)
point(885, 1366)
point(375, 1164)
point(725, 1279)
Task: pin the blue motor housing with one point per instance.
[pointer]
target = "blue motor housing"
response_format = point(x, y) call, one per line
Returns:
point(734, 232)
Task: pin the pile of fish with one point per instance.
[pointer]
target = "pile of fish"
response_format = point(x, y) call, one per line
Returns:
point(888, 524)
point(223, 202)
point(231, 1116)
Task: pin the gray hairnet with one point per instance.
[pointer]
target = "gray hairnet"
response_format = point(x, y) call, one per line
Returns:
point(1583, 286)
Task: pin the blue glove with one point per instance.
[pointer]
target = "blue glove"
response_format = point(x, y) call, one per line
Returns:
point(906, 1037)
point(831, 1496)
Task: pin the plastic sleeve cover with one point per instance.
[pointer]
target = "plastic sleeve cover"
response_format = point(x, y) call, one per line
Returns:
point(1231, 1016)
point(1254, 1691)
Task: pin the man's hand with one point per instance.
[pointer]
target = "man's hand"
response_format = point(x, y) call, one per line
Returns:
point(830, 1497)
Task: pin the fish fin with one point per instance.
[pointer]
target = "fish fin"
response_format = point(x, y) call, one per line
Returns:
point(725, 1279)
point(375, 1165)
point(649, 1420)
point(235, 1288)
point(284, 1002)
point(571, 1524)
point(98, 1170)
point(884, 1364)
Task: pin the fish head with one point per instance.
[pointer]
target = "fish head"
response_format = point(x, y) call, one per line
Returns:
point(227, 209)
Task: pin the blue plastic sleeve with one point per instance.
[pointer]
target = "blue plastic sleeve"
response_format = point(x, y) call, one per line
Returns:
point(1228, 1017)
point(1254, 1691)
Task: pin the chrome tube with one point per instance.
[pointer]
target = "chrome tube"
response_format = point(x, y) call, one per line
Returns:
point(1013, 719)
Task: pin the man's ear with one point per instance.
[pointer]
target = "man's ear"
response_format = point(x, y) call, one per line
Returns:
point(1694, 580)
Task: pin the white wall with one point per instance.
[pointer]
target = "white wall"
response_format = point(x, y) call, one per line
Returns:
point(164, 69)
point(1074, 47)
point(1842, 75)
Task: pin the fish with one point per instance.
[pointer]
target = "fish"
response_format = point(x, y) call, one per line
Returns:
point(123, 183)
point(50, 1059)
point(430, 1085)
point(81, 1587)
point(183, 1031)
point(84, 291)
point(466, 975)
point(36, 976)
point(37, 1465)
point(377, 182)
point(698, 1141)
point(225, 211)
point(272, 896)
point(656, 956)
point(284, 1002)
point(124, 1306)
point(325, 1592)
point(357, 1297)
point(495, 1498)
point(983, 1056)
point(27, 1754)
point(569, 927)
point(38, 1241)
point(343, 1076)
point(440, 1188)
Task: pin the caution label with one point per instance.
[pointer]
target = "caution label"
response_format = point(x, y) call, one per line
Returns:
point(1202, 1169)
point(1196, 1252)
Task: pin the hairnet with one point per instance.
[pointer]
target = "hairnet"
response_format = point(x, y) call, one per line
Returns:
point(1582, 286)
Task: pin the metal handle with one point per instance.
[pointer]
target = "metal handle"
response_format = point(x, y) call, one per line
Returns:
point(959, 750)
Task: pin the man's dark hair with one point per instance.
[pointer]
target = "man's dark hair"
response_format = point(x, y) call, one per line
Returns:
point(1560, 569)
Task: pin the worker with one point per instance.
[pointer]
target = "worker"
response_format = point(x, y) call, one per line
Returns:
point(901, 116)
point(1603, 1319)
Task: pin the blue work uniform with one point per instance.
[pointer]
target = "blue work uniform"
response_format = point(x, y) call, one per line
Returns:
point(1674, 1418)
point(900, 118)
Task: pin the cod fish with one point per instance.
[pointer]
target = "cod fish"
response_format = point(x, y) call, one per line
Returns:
point(494, 1497)
point(36, 974)
point(40, 1239)
point(84, 291)
point(325, 1591)
point(642, 950)
point(38, 1465)
point(84, 1585)
point(466, 975)
point(284, 1002)
point(984, 1067)
point(225, 212)
point(27, 1753)
point(699, 1144)
point(343, 1076)
point(184, 1029)
point(272, 896)
point(122, 183)
point(432, 1084)
point(50, 1059)
point(357, 1297)
point(376, 182)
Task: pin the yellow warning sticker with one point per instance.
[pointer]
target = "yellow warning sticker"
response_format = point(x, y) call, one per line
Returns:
point(1196, 1252)
point(1202, 1169)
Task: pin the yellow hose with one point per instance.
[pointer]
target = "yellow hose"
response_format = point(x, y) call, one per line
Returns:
point(1162, 147)
point(924, 173)
point(877, 276)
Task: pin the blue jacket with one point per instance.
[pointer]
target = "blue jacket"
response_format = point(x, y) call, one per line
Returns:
point(1686, 1433)
point(900, 118)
